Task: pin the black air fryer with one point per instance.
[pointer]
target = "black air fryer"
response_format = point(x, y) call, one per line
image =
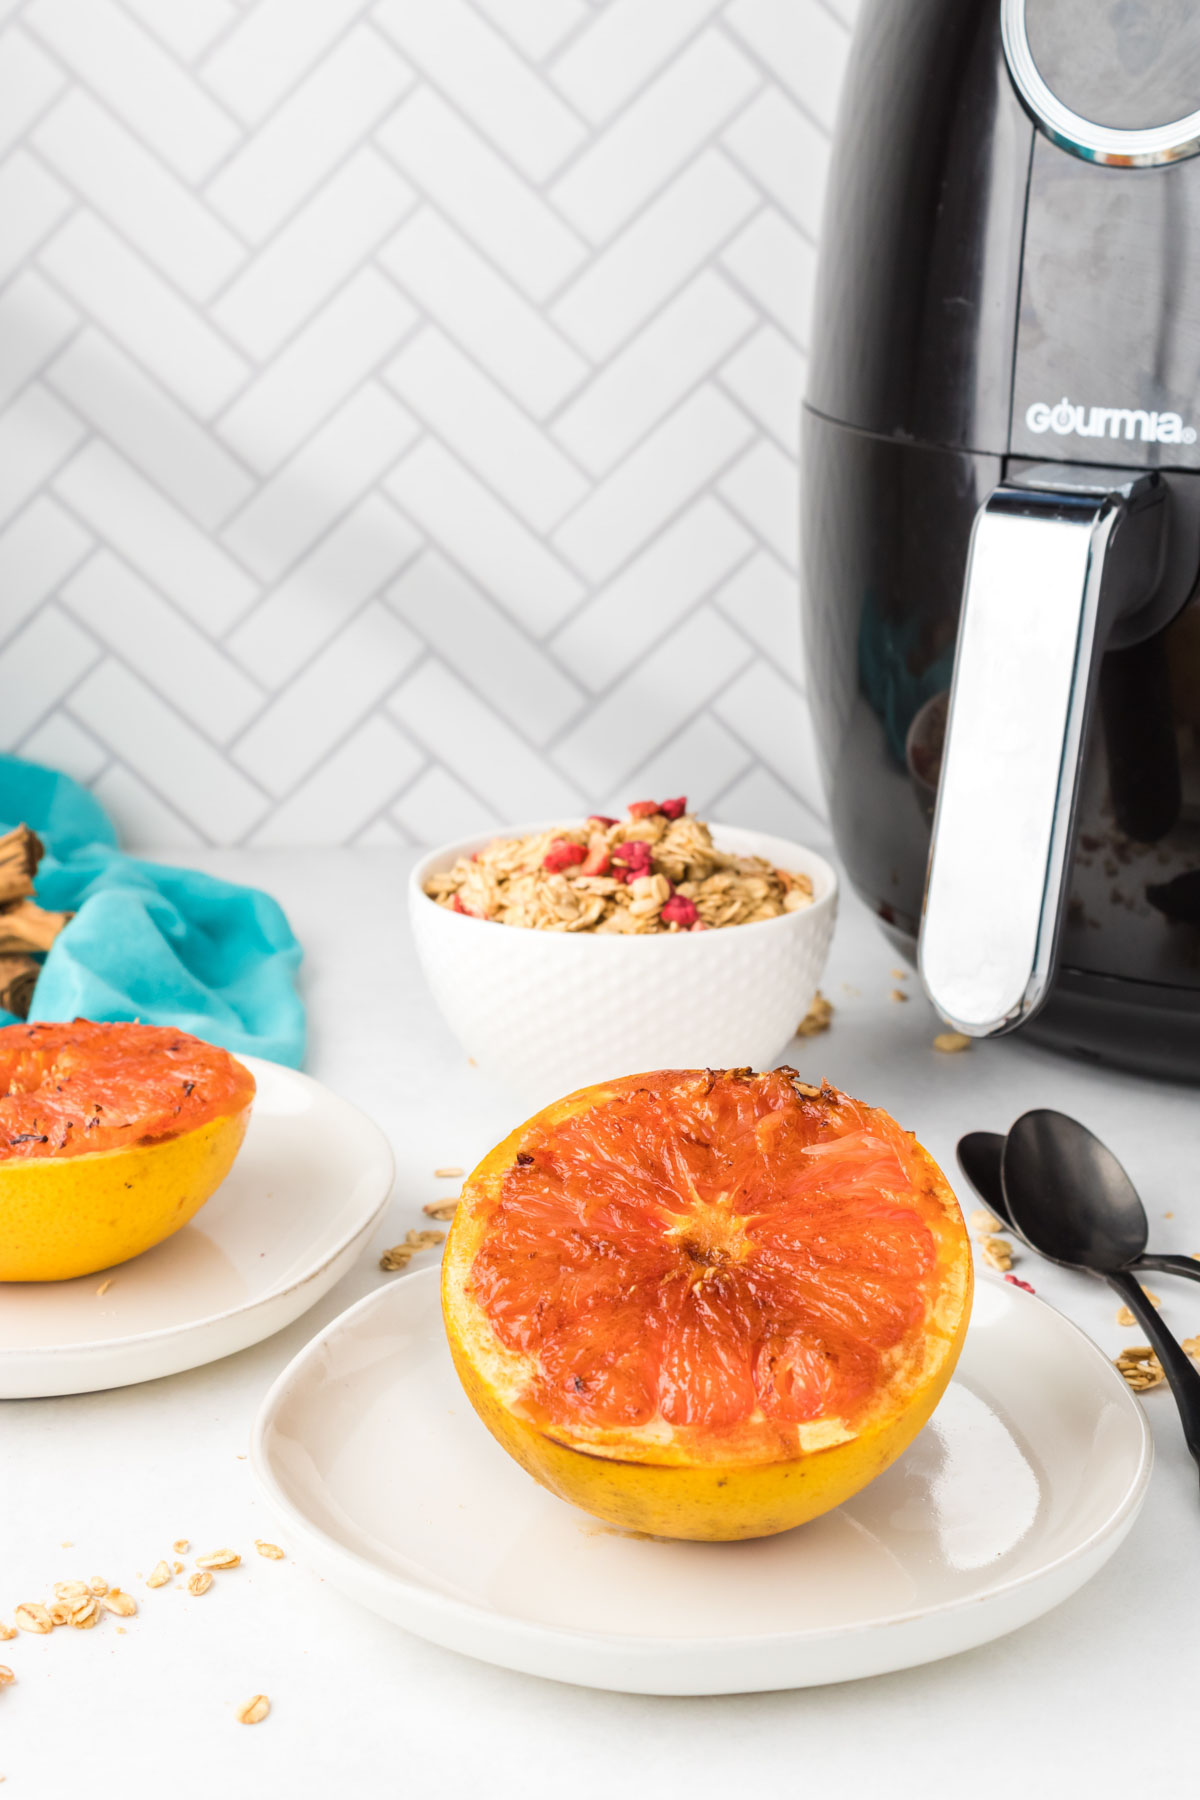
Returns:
point(1001, 511)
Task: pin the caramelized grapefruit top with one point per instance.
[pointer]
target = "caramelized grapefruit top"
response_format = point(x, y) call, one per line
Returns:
point(70, 1090)
point(694, 1265)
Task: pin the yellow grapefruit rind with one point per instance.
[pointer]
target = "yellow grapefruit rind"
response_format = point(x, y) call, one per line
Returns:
point(677, 1484)
point(66, 1216)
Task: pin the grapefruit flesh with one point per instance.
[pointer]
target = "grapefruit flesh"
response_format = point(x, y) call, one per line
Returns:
point(706, 1304)
point(112, 1136)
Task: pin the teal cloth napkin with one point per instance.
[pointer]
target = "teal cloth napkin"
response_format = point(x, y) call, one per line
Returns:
point(166, 946)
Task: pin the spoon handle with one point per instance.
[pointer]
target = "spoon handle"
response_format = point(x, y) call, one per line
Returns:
point(1171, 1265)
point(1178, 1368)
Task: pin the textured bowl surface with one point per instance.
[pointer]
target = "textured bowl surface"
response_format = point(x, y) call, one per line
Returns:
point(548, 1011)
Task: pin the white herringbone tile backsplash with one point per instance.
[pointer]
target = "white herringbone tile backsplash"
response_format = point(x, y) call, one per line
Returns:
point(400, 404)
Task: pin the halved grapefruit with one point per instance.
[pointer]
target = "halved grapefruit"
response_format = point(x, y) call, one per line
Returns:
point(111, 1138)
point(706, 1304)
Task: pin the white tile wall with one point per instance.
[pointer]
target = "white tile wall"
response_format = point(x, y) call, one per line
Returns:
point(398, 407)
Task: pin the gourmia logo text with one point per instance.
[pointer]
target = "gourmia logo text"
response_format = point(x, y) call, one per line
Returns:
point(1110, 422)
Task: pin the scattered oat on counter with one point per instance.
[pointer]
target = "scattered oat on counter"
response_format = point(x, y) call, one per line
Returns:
point(159, 1575)
point(1125, 1317)
point(219, 1559)
point(103, 1288)
point(449, 1173)
point(656, 870)
point(440, 1209)
point(32, 1616)
point(998, 1252)
point(7, 1632)
point(271, 1551)
point(181, 1546)
point(122, 1604)
point(200, 1582)
point(254, 1710)
point(818, 1018)
point(983, 1224)
point(400, 1255)
point(1139, 1368)
point(951, 1042)
point(898, 994)
point(900, 974)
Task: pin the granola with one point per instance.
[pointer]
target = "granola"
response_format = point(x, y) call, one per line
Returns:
point(657, 870)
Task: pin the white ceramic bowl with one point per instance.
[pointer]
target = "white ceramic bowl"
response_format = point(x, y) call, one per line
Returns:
point(550, 1011)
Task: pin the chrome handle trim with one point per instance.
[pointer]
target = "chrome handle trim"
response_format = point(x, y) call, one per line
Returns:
point(1040, 597)
point(1153, 146)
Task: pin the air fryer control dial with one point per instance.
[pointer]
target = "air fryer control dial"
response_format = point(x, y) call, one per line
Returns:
point(1114, 81)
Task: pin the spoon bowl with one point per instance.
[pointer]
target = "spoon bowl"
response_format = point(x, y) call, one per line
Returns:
point(1068, 1196)
point(980, 1155)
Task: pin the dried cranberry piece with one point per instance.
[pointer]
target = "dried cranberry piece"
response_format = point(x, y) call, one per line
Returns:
point(631, 860)
point(644, 809)
point(599, 819)
point(1017, 1282)
point(562, 854)
point(674, 809)
point(464, 910)
point(679, 910)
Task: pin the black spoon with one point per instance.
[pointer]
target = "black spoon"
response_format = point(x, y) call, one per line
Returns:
point(1071, 1201)
point(979, 1158)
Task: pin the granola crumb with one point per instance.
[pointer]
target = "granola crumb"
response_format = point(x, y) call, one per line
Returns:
point(7, 1632)
point(400, 1255)
point(997, 1251)
point(104, 1287)
point(1191, 1346)
point(983, 1224)
point(899, 974)
point(177, 1567)
point(253, 1711)
point(951, 1042)
point(6, 1680)
point(440, 1209)
point(271, 1551)
point(181, 1546)
point(449, 1173)
point(97, 1585)
point(1139, 1368)
point(1125, 1317)
point(898, 994)
point(818, 1018)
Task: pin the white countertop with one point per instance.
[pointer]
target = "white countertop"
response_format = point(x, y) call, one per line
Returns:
point(1097, 1699)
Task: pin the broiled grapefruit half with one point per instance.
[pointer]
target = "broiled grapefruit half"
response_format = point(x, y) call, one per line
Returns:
point(704, 1303)
point(112, 1136)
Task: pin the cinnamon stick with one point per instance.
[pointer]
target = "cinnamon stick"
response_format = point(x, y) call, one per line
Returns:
point(24, 927)
point(18, 976)
point(21, 850)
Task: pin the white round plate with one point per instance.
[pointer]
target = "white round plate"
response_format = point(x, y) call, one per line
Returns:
point(309, 1183)
point(1021, 1487)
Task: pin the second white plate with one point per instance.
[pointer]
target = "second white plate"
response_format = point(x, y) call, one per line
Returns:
point(1022, 1486)
point(309, 1183)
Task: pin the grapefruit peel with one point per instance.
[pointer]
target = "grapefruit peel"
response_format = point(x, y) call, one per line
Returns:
point(778, 1459)
point(67, 1211)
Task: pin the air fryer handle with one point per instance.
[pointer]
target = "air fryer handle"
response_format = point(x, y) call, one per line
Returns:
point(1053, 566)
